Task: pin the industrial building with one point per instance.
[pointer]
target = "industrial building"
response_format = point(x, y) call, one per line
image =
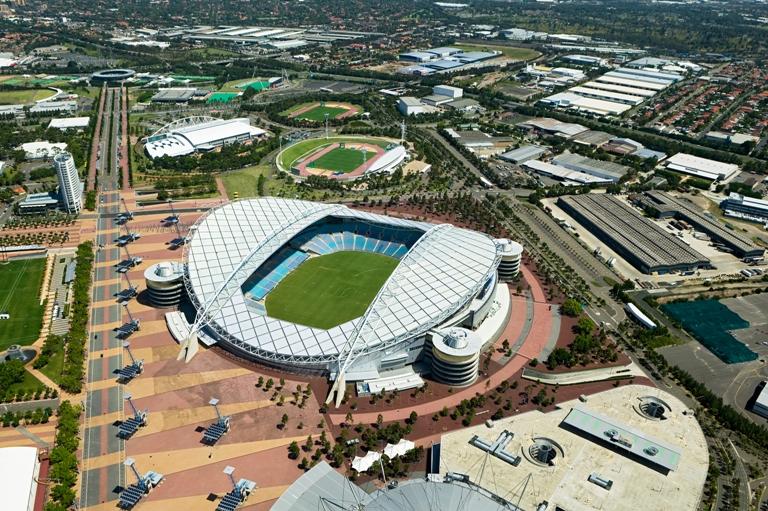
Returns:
point(447, 90)
point(409, 105)
point(442, 60)
point(760, 406)
point(276, 38)
point(553, 127)
point(566, 175)
point(174, 95)
point(664, 205)
point(524, 154)
point(598, 168)
point(579, 103)
point(746, 208)
point(645, 245)
point(606, 451)
point(701, 167)
point(200, 134)
point(49, 107)
point(70, 186)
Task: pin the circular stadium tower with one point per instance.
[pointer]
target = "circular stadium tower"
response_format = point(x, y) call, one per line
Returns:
point(324, 288)
point(511, 256)
point(111, 76)
point(456, 356)
point(164, 283)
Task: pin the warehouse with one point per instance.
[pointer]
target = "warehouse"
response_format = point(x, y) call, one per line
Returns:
point(416, 56)
point(628, 81)
point(67, 123)
point(747, 208)
point(573, 101)
point(602, 169)
point(664, 205)
point(567, 176)
point(642, 243)
point(632, 91)
point(524, 154)
point(701, 167)
point(649, 73)
point(640, 78)
point(549, 126)
point(618, 97)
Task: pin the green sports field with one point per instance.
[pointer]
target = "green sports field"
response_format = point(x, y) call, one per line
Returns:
point(342, 159)
point(287, 158)
point(20, 283)
point(329, 290)
point(317, 114)
point(24, 96)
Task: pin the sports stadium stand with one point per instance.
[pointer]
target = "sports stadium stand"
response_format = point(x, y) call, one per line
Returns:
point(327, 238)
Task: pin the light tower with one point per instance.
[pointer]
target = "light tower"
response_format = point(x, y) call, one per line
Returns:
point(402, 132)
point(326, 125)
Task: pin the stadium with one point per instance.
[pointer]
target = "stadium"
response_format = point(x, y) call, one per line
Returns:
point(199, 134)
point(322, 288)
point(344, 158)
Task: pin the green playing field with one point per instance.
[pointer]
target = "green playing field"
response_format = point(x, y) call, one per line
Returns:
point(329, 290)
point(317, 114)
point(20, 283)
point(342, 159)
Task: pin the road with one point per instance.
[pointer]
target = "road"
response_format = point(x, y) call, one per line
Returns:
point(99, 438)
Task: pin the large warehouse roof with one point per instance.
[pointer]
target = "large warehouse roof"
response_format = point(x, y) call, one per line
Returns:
point(701, 167)
point(442, 271)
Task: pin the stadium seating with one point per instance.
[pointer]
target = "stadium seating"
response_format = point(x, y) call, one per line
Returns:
point(331, 236)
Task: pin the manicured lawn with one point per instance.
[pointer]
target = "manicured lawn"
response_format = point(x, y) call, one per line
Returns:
point(14, 97)
point(329, 290)
point(342, 160)
point(244, 181)
point(317, 114)
point(30, 382)
point(20, 283)
point(511, 52)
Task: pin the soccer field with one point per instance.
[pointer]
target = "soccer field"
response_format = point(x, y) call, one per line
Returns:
point(342, 160)
point(329, 290)
point(20, 283)
point(317, 114)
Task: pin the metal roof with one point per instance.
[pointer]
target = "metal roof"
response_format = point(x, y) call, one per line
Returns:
point(624, 438)
point(440, 274)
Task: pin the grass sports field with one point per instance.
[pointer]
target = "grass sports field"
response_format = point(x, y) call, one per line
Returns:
point(20, 283)
point(317, 114)
point(18, 97)
point(329, 290)
point(342, 160)
point(290, 154)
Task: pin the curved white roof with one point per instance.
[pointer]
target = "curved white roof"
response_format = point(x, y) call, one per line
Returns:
point(389, 160)
point(440, 274)
point(186, 140)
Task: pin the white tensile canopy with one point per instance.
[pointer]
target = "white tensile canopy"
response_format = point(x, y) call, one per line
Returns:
point(398, 449)
point(363, 463)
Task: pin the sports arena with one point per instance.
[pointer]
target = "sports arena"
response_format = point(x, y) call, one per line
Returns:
point(323, 288)
point(341, 157)
point(316, 112)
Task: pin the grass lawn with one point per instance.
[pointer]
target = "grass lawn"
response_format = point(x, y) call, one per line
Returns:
point(20, 283)
point(317, 114)
point(55, 366)
point(30, 382)
point(329, 290)
point(511, 52)
point(244, 181)
point(14, 97)
point(292, 153)
point(342, 160)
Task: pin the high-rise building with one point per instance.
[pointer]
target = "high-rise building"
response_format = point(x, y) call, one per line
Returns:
point(70, 187)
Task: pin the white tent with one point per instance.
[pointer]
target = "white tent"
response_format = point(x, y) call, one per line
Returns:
point(363, 463)
point(398, 449)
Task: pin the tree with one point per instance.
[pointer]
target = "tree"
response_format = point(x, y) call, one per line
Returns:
point(413, 417)
point(309, 444)
point(284, 420)
point(379, 420)
point(571, 307)
point(293, 450)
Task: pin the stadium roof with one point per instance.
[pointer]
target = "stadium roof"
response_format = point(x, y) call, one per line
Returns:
point(442, 271)
point(205, 135)
point(69, 122)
